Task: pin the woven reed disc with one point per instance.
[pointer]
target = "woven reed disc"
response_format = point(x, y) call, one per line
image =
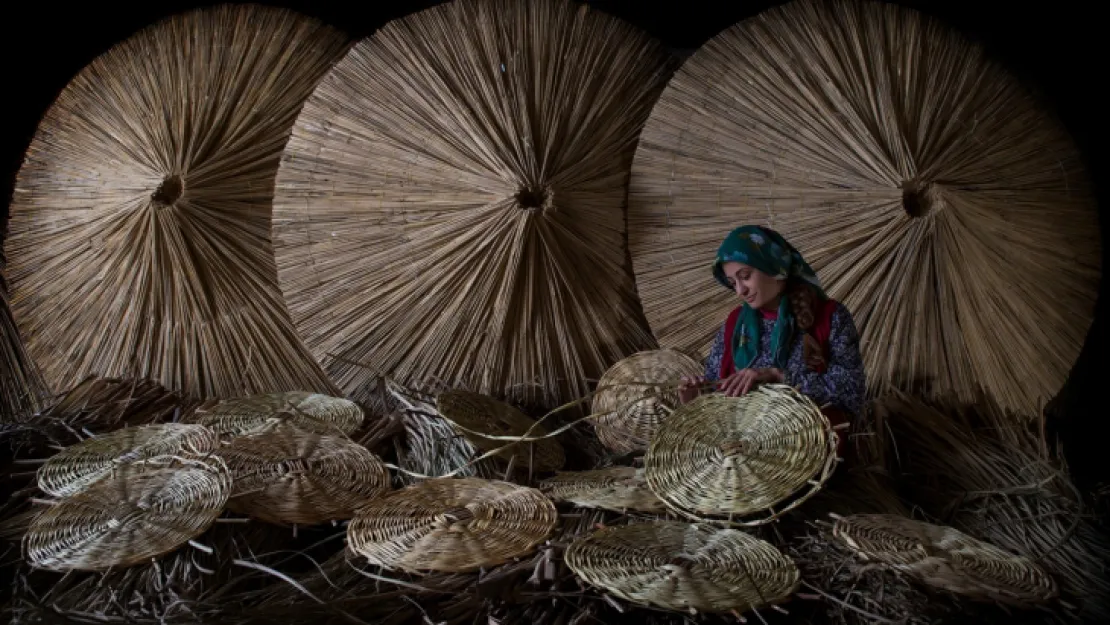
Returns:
point(78, 466)
point(127, 518)
point(631, 410)
point(310, 412)
point(929, 190)
point(678, 566)
point(738, 455)
point(450, 203)
point(286, 475)
point(140, 221)
point(453, 525)
point(475, 415)
point(946, 558)
point(614, 488)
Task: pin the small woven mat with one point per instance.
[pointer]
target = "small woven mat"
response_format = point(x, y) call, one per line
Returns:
point(286, 475)
point(453, 525)
point(478, 416)
point(679, 566)
point(946, 558)
point(79, 466)
point(721, 455)
point(138, 512)
point(311, 412)
point(631, 400)
point(616, 488)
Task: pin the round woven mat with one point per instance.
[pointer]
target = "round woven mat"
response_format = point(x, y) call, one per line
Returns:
point(289, 476)
point(930, 191)
point(719, 455)
point(134, 514)
point(946, 558)
point(679, 566)
point(453, 525)
point(476, 415)
point(140, 222)
point(615, 488)
point(631, 400)
point(78, 466)
point(311, 412)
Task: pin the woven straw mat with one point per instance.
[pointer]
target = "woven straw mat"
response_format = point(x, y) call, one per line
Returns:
point(286, 475)
point(739, 455)
point(311, 412)
point(453, 525)
point(631, 398)
point(679, 566)
point(478, 416)
point(615, 488)
point(135, 514)
point(79, 466)
point(946, 558)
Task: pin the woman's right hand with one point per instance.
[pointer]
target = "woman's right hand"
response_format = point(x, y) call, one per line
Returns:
point(690, 388)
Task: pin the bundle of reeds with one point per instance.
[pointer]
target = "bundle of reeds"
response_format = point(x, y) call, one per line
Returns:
point(22, 389)
point(467, 165)
point(140, 223)
point(931, 193)
point(973, 469)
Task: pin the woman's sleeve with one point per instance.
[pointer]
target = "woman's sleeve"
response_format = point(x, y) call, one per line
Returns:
point(844, 383)
point(716, 352)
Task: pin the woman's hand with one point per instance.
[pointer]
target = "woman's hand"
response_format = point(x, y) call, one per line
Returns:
point(743, 381)
point(690, 388)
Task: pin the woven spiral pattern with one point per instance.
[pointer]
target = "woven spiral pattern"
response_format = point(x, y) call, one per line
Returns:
point(453, 525)
point(135, 514)
point(140, 222)
point(730, 456)
point(946, 558)
point(678, 566)
point(616, 488)
point(310, 412)
point(451, 202)
point(75, 468)
point(286, 476)
point(478, 416)
point(932, 194)
point(631, 399)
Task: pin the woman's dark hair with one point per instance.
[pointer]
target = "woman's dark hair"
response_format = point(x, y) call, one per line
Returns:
point(803, 303)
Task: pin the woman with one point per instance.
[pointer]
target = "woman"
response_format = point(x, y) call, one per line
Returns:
point(785, 331)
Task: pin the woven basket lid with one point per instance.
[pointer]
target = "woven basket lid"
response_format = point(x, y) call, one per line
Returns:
point(614, 488)
point(923, 183)
point(78, 466)
point(478, 416)
point(722, 455)
point(453, 525)
point(311, 412)
point(679, 566)
point(141, 511)
point(467, 165)
point(139, 242)
point(946, 558)
point(286, 475)
point(631, 399)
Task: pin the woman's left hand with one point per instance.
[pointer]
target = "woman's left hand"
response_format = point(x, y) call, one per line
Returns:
point(745, 380)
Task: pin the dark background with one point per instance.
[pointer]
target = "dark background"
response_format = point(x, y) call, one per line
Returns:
point(1056, 48)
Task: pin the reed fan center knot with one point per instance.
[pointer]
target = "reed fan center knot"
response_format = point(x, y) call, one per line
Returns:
point(169, 191)
point(293, 465)
point(920, 198)
point(535, 198)
point(458, 515)
point(735, 448)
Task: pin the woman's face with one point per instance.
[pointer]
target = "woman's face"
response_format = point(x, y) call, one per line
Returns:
point(758, 289)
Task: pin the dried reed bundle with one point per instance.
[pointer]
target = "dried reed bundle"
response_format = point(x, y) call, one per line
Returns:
point(140, 224)
point(929, 191)
point(101, 405)
point(478, 418)
point(971, 470)
point(450, 204)
point(22, 389)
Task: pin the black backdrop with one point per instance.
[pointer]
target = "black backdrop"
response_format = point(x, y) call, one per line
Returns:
point(1056, 47)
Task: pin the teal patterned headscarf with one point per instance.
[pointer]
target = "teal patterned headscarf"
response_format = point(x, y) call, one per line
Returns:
point(765, 250)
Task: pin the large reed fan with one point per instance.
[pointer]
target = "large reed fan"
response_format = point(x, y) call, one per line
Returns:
point(140, 226)
point(929, 191)
point(450, 206)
